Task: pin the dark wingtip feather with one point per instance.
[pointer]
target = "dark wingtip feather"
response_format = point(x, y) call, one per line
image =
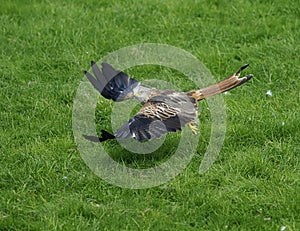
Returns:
point(106, 64)
point(104, 136)
point(111, 83)
point(91, 138)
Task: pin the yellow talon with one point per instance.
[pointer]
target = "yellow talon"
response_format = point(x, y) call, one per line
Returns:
point(193, 127)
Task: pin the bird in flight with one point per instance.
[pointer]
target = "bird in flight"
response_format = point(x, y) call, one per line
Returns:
point(162, 111)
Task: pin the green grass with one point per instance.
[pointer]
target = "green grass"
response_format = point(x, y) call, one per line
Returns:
point(45, 46)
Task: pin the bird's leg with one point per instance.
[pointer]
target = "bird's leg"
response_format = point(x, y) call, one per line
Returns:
point(193, 126)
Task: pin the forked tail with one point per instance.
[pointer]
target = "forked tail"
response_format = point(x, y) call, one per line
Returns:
point(225, 85)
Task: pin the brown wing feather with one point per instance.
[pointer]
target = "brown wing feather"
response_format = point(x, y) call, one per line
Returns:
point(163, 113)
point(159, 110)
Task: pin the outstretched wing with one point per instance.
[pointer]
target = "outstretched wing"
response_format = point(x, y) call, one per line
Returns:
point(111, 83)
point(145, 125)
point(166, 112)
point(152, 121)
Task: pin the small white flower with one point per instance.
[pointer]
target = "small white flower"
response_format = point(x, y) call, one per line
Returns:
point(226, 93)
point(64, 177)
point(165, 187)
point(282, 228)
point(269, 93)
point(282, 123)
point(95, 204)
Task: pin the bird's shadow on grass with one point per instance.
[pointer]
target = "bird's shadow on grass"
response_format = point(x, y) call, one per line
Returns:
point(136, 160)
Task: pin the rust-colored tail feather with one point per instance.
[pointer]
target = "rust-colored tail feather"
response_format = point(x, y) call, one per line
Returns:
point(225, 85)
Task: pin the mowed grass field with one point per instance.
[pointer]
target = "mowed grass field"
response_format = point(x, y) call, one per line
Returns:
point(46, 185)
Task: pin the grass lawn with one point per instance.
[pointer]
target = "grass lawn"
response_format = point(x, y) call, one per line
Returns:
point(46, 185)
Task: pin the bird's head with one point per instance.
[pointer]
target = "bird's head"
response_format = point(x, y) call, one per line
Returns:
point(141, 92)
